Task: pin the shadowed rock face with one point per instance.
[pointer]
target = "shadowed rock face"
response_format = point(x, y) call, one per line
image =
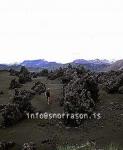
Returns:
point(116, 66)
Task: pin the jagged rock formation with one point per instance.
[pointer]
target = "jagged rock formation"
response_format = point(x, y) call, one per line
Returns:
point(11, 115)
point(80, 96)
point(13, 72)
point(14, 84)
point(23, 100)
point(24, 75)
point(114, 82)
point(16, 111)
point(34, 74)
point(39, 87)
point(29, 146)
point(56, 74)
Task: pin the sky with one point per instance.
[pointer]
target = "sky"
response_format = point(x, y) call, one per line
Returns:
point(60, 30)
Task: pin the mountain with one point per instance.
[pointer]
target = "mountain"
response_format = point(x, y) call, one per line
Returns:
point(3, 67)
point(118, 65)
point(40, 63)
point(94, 61)
point(37, 65)
point(93, 65)
point(8, 67)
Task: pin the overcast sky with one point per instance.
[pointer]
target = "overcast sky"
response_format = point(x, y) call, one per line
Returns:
point(60, 30)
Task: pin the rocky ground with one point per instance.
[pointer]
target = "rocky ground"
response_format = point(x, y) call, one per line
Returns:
point(48, 134)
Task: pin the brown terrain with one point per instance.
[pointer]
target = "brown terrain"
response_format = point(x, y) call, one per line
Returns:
point(47, 134)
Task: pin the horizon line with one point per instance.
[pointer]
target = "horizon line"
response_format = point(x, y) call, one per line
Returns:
point(19, 62)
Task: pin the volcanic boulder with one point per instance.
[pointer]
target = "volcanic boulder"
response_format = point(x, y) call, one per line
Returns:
point(24, 75)
point(34, 74)
point(81, 95)
point(29, 146)
point(23, 100)
point(120, 90)
point(13, 72)
point(16, 111)
point(14, 84)
point(39, 87)
point(11, 115)
point(114, 83)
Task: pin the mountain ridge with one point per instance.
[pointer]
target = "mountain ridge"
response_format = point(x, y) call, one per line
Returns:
point(118, 65)
point(93, 65)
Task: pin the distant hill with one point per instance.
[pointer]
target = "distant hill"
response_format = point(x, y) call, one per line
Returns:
point(95, 61)
point(40, 63)
point(37, 65)
point(93, 65)
point(3, 67)
point(118, 65)
point(7, 67)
